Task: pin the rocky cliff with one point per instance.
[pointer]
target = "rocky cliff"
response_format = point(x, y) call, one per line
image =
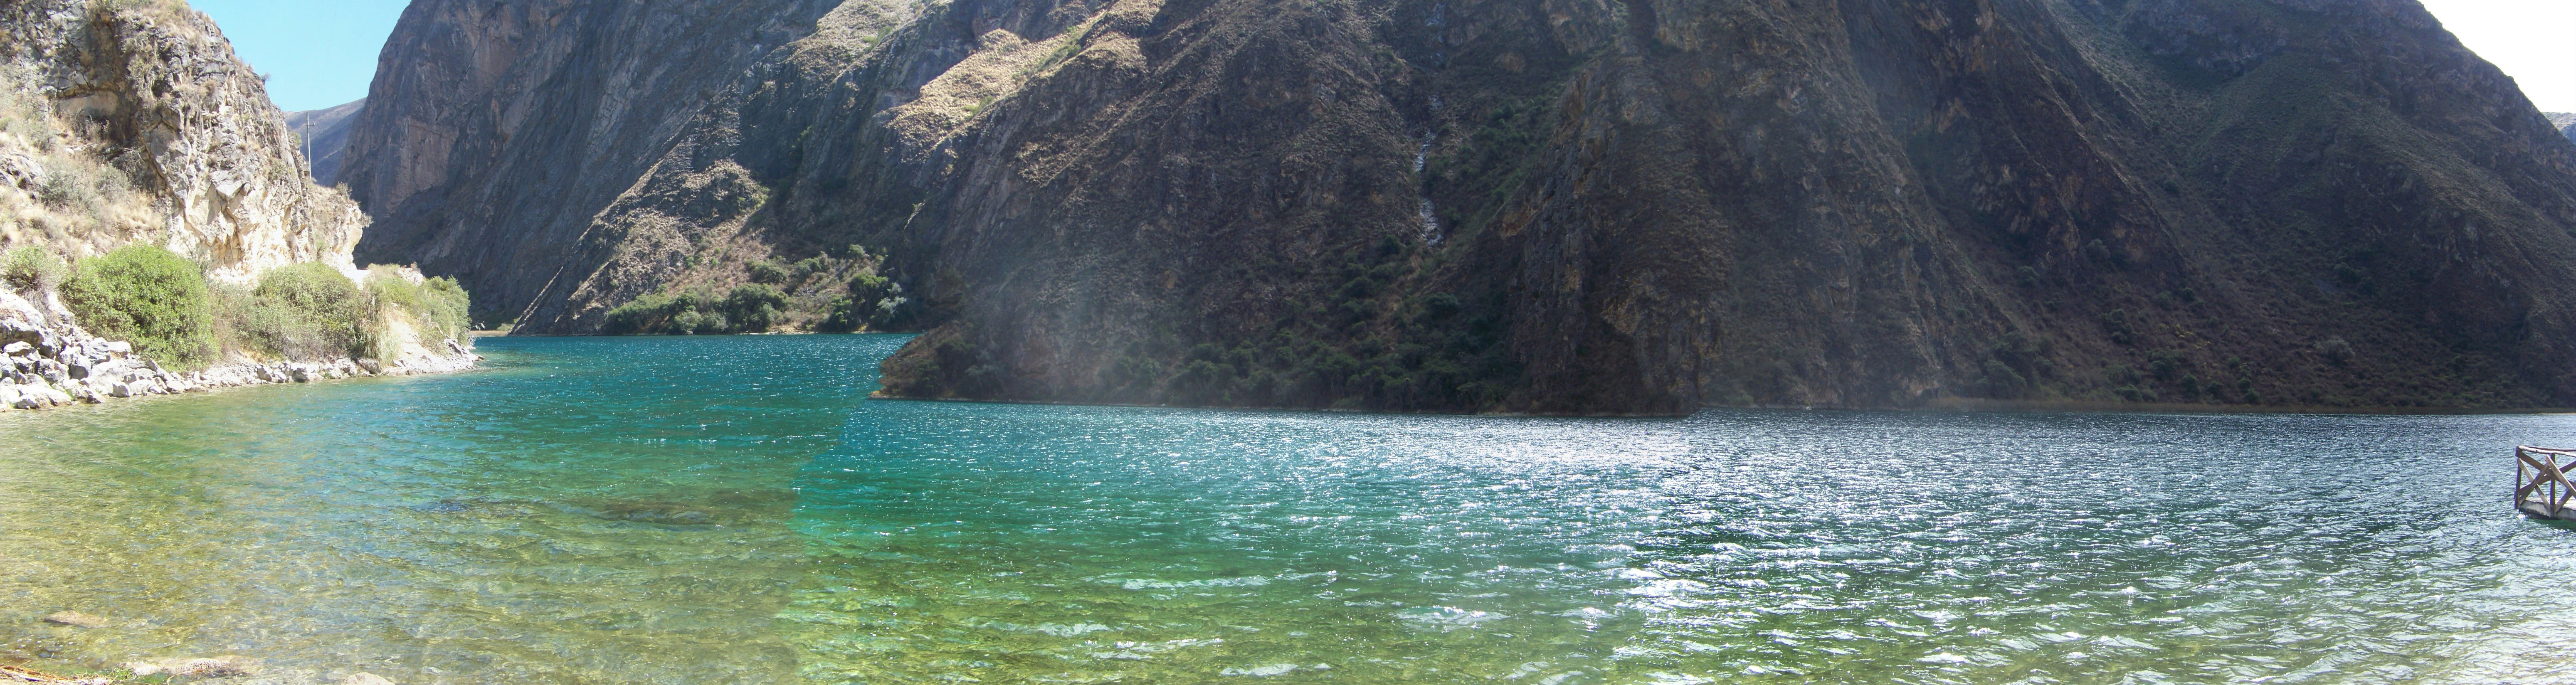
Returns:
point(496, 133)
point(134, 122)
point(1556, 206)
point(325, 134)
point(131, 125)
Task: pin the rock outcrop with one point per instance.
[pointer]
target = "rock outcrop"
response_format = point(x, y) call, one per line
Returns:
point(496, 132)
point(147, 128)
point(1640, 206)
point(46, 360)
point(126, 123)
point(325, 133)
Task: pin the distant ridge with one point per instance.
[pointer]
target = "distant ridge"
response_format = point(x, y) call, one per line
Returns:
point(2563, 121)
point(327, 133)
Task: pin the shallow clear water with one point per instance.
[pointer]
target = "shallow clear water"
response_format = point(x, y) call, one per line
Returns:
point(703, 510)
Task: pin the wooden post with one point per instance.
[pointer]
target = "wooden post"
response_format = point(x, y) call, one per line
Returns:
point(2540, 486)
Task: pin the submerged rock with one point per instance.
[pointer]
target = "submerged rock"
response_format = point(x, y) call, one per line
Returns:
point(76, 619)
point(226, 666)
point(444, 507)
point(656, 513)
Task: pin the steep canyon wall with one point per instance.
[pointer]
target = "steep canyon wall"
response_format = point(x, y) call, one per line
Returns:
point(1549, 206)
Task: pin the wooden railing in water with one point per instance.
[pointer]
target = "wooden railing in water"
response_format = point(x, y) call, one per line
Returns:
point(2540, 486)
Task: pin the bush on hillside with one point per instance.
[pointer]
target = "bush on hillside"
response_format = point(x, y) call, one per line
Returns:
point(308, 311)
point(699, 311)
point(150, 297)
point(231, 306)
point(80, 186)
point(842, 316)
point(874, 302)
point(754, 308)
point(31, 269)
point(647, 315)
point(438, 306)
point(449, 307)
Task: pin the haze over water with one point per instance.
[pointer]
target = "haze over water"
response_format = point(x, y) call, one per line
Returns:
point(698, 510)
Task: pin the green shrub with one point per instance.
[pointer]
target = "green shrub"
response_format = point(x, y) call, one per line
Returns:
point(438, 307)
point(31, 268)
point(768, 272)
point(233, 308)
point(747, 309)
point(449, 306)
point(754, 308)
point(150, 297)
point(310, 311)
point(2165, 365)
point(649, 314)
point(2336, 350)
point(2116, 324)
point(79, 186)
point(843, 316)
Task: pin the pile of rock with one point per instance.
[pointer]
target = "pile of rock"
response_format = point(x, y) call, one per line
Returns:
point(90, 371)
point(56, 364)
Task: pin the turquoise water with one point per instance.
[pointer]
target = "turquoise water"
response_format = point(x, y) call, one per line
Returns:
point(709, 510)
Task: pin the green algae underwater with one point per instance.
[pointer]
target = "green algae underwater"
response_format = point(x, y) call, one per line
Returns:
point(728, 510)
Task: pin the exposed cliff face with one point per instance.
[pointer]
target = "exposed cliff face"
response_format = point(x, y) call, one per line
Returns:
point(325, 133)
point(1526, 205)
point(126, 124)
point(496, 132)
point(134, 122)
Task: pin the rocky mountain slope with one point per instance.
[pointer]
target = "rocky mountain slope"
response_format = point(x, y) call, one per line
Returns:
point(1635, 206)
point(325, 134)
point(2564, 122)
point(134, 122)
point(147, 187)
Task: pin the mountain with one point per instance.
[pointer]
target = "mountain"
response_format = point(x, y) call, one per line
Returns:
point(325, 133)
point(1541, 206)
point(2564, 122)
point(158, 233)
point(134, 122)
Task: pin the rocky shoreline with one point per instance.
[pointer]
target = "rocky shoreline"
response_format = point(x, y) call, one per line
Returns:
point(51, 362)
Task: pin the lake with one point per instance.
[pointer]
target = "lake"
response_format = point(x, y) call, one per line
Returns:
point(728, 510)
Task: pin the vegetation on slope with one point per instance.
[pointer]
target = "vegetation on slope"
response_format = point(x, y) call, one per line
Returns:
point(304, 312)
point(72, 196)
point(148, 296)
point(822, 293)
point(439, 308)
point(92, 209)
point(312, 311)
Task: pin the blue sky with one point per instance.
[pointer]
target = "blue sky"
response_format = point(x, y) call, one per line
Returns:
point(320, 53)
point(2534, 41)
point(316, 53)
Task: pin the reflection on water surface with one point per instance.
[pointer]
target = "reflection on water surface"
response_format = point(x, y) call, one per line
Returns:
point(722, 510)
